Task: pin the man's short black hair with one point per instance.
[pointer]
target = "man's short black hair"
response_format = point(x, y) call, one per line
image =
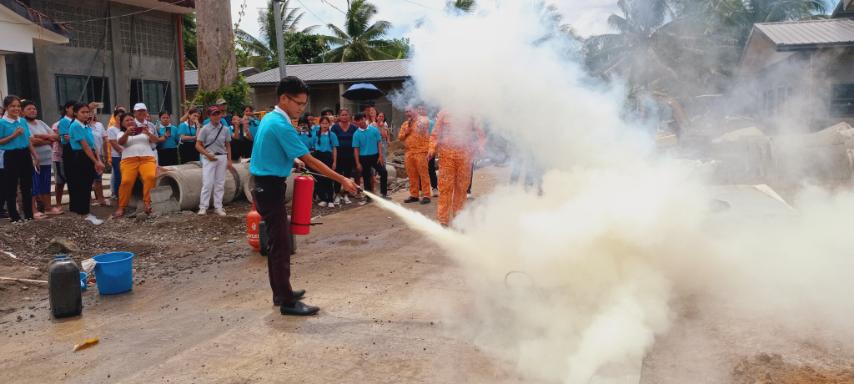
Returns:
point(291, 85)
point(358, 116)
point(327, 111)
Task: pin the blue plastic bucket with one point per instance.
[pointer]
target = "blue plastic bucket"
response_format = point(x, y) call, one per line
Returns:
point(114, 272)
point(83, 281)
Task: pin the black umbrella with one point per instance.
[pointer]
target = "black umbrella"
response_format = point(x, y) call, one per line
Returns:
point(363, 91)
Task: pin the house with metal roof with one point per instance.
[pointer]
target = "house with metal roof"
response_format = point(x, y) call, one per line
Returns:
point(327, 82)
point(114, 52)
point(802, 70)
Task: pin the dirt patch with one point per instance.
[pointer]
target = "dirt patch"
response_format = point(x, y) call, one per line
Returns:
point(772, 369)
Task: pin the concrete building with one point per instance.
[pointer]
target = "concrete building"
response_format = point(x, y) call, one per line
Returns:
point(328, 81)
point(118, 53)
point(802, 71)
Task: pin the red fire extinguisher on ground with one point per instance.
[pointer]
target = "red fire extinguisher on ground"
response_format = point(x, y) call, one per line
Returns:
point(301, 205)
point(253, 226)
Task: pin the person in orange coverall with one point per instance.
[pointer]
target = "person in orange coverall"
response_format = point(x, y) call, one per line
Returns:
point(415, 136)
point(455, 140)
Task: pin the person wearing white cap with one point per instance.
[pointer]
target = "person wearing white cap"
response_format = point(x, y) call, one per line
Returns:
point(140, 115)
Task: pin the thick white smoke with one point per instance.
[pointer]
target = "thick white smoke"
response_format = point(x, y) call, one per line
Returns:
point(575, 283)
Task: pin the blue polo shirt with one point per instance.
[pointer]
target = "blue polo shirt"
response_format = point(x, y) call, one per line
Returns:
point(367, 140)
point(78, 133)
point(276, 146)
point(186, 130)
point(306, 139)
point(7, 128)
point(171, 142)
point(253, 127)
point(325, 142)
point(62, 128)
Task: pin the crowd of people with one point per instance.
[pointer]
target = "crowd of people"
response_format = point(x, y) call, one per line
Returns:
point(77, 150)
point(38, 160)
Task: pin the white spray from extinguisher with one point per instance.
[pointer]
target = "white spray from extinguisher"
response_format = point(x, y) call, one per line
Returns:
point(618, 233)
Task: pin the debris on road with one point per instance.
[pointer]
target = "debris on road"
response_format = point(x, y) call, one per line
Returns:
point(86, 344)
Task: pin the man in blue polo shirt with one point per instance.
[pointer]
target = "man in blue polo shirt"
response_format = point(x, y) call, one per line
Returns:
point(276, 146)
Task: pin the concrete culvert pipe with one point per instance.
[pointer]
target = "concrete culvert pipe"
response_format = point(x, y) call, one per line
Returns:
point(186, 185)
point(289, 193)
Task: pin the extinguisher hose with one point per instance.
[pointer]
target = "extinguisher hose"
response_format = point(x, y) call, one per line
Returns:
point(306, 171)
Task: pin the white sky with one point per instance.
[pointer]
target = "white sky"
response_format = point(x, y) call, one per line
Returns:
point(588, 17)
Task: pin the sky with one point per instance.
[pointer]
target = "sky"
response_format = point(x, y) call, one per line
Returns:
point(588, 17)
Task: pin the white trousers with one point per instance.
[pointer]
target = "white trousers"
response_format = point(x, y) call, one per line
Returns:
point(213, 180)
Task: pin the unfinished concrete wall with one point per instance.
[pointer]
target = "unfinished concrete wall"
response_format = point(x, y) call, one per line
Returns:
point(142, 46)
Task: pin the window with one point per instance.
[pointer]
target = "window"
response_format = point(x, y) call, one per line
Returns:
point(83, 89)
point(842, 100)
point(157, 95)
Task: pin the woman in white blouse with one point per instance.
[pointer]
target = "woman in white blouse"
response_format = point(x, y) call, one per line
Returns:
point(137, 161)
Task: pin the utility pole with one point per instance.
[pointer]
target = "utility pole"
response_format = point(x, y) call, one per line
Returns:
point(280, 38)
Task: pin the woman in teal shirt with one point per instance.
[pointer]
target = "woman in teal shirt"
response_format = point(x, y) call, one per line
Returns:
point(187, 133)
point(18, 159)
point(167, 147)
point(86, 163)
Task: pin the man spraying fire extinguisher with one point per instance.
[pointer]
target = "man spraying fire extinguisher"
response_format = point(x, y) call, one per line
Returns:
point(276, 145)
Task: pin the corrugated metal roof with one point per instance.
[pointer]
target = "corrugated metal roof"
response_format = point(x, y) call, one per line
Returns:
point(191, 77)
point(793, 35)
point(334, 72)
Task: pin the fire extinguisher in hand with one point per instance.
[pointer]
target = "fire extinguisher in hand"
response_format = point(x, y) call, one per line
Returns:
point(301, 206)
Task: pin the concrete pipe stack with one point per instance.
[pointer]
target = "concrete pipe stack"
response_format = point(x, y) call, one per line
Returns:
point(186, 184)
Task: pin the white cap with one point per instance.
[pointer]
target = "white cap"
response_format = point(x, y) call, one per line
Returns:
point(139, 107)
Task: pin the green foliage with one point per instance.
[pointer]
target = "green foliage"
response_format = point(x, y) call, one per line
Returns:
point(672, 47)
point(360, 40)
point(235, 95)
point(189, 35)
point(304, 48)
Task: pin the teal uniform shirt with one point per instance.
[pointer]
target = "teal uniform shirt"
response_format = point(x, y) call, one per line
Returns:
point(62, 128)
point(253, 127)
point(186, 130)
point(78, 133)
point(325, 142)
point(276, 146)
point(7, 128)
point(171, 142)
point(367, 141)
point(307, 139)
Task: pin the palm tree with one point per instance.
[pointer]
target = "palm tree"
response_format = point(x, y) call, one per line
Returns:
point(262, 54)
point(360, 40)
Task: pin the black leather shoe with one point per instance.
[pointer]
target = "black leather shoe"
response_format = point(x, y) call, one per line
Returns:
point(298, 308)
point(298, 294)
point(425, 200)
point(411, 200)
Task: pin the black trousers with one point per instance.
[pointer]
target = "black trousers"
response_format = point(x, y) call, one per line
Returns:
point(188, 152)
point(167, 157)
point(345, 166)
point(19, 175)
point(80, 179)
point(324, 184)
point(431, 169)
point(368, 163)
point(269, 197)
point(2, 192)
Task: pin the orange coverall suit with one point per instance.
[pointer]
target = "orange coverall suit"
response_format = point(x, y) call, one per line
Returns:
point(456, 146)
point(416, 139)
